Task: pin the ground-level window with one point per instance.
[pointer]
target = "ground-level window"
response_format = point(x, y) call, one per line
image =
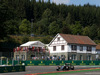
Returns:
point(54, 55)
point(62, 57)
point(81, 57)
point(23, 57)
point(54, 48)
point(62, 47)
point(88, 57)
point(32, 56)
point(73, 57)
point(17, 57)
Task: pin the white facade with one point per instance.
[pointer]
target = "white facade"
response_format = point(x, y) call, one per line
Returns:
point(67, 47)
point(58, 45)
point(98, 52)
point(55, 47)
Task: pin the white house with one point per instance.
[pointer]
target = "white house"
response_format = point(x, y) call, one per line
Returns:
point(98, 52)
point(72, 47)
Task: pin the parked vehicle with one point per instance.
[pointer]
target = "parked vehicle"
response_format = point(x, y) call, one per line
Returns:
point(67, 66)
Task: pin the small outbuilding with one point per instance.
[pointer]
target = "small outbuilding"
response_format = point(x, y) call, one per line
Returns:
point(31, 50)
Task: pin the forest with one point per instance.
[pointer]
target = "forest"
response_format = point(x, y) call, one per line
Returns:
point(23, 17)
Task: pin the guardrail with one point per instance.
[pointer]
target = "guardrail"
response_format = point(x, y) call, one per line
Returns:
point(48, 62)
point(5, 69)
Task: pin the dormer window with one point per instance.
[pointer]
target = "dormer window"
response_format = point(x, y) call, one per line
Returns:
point(58, 39)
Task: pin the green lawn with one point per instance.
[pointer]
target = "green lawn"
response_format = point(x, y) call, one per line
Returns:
point(67, 72)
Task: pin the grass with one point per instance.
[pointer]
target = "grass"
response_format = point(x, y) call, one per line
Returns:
point(69, 72)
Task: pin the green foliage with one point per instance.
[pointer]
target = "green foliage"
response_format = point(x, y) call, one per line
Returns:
point(10, 40)
point(11, 26)
point(76, 29)
point(46, 39)
point(66, 30)
point(47, 13)
point(86, 31)
point(48, 18)
point(25, 39)
point(25, 27)
point(53, 28)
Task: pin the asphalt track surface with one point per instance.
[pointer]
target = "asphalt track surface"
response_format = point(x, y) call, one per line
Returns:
point(40, 69)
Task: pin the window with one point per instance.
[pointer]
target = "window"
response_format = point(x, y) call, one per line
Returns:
point(17, 57)
point(23, 57)
point(58, 39)
point(62, 47)
point(81, 48)
point(32, 56)
point(88, 57)
point(81, 57)
point(62, 57)
point(73, 57)
point(54, 48)
point(73, 47)
point(89, 48)
point(54, 55)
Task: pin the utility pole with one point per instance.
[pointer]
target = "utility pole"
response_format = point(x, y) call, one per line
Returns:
point(31, 26)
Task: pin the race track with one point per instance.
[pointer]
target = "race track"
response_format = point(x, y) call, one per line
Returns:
point(40, 69)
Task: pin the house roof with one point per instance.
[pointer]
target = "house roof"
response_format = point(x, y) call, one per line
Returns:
point(98, 47)
point(77, 39)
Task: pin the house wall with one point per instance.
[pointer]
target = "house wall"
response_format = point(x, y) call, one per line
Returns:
point(98, 52)
point(58, 45)
point(68, 52)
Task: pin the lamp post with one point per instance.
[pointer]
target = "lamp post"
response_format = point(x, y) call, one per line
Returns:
point(31, 26)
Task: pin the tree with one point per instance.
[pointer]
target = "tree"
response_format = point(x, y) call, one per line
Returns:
point(12, 27)
point(47, 13)
point(6, 13)
point(76, 29)
point(25, 39)
point(93, 31)
point(86, 31)
point(53, 28)
point(66, 30)
point(42, 27)
point(68, 19)
point(25, 27)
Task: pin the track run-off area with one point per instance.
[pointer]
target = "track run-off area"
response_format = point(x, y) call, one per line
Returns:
point(51, 70)
point(71, 72)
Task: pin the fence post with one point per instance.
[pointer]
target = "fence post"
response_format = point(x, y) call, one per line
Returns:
point(7, 61)
point(12, 62)
point(1, 61)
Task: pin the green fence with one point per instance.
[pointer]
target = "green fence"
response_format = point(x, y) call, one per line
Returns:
point(51, 63)
point(5, 69)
